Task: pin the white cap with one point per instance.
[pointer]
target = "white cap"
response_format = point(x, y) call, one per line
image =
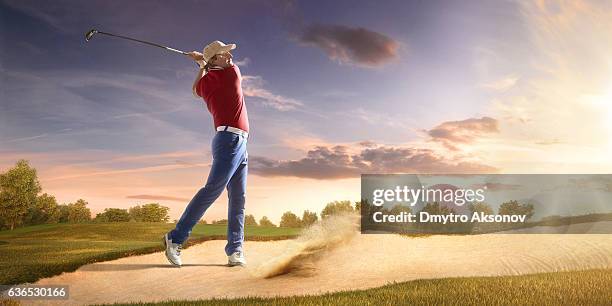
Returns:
point(216, 47)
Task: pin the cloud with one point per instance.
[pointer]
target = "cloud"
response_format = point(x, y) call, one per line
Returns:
point(549, 142)
point(243, 62)
point(157, 168)
point(71, 17)
point(30, 48)
point(336, 162)
point(76, 107)
point(72, 84)
point(502, 84)
point(157, 197)
point(367, 143)
point(253, 86)
point(451, 133)
point(27, 138)
point(497, 186)
point(46, 14)
point(398, 159)
point(357, 46)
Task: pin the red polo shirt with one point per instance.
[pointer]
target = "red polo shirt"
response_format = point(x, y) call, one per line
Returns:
point(222, 92)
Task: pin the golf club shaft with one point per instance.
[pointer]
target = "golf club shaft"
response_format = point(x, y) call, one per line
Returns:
point(144, 42)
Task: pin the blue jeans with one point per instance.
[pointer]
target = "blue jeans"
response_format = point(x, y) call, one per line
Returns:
point(229, 169)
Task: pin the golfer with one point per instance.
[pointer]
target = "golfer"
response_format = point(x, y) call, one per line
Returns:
point(218, 82)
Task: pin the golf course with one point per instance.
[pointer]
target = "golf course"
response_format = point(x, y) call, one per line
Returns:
point(332, 263)
point(30, 253)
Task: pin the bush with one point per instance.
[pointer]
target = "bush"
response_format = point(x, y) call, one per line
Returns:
point(113, 215)
point(266, 222)
point(75, 212)
point(336, 207)
point(480, 207)
point(514, 208)
point(250, 220)
point(46, 210)
point(309, 218)
point(398, 209)
point(289, 219)
point(152, 212)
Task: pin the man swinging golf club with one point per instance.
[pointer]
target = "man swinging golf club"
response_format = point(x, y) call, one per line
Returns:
point(218, 82)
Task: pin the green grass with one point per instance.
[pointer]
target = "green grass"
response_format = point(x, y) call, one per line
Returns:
point(590, 287)
point(30, 253)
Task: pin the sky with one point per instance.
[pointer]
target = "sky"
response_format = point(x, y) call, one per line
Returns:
point(333, 89)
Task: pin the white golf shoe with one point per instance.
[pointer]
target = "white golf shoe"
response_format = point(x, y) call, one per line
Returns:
point(236, 259)
point(173, 251)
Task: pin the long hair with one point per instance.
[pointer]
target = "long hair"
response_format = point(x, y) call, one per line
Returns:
point(208, 64)
point(207, 67)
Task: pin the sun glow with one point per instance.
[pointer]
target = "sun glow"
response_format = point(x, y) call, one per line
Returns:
point(603, 104)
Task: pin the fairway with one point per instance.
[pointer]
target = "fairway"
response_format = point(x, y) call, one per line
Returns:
point(30, 253)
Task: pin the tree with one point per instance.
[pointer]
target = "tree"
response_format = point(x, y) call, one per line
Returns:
point(309, 218)
point(46, 210)
point(480, 207)
point(113, 215)
point(398, 209)
point(358, 207)
point(152, 212)
point(514, 208)
point(250, 220)
point(221, 221)
point(64, 208)
point(437, 209)
point(264, 221)
point(290, 219)
point(19, 187)
point(78, 212)
point(336, 207)
point(136, 213)
point(366, 210)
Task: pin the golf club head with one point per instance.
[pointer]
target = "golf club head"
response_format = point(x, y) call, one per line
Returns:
point(90, 34)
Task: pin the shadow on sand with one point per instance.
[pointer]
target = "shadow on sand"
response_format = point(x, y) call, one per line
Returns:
point(128, 267)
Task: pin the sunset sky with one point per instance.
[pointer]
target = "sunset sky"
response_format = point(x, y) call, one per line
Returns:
point(333, 89)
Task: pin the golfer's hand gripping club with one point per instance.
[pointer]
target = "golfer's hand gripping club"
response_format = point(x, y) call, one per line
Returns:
point(197, 57)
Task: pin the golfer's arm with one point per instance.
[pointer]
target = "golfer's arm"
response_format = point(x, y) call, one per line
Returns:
point(199, 75)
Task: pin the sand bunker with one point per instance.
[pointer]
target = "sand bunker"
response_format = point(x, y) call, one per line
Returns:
point(344, 262)
point(301, 255)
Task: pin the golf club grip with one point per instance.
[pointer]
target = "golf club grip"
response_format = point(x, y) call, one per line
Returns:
point(176, 50)
point(145, 42)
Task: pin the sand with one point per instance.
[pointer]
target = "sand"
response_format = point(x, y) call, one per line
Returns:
point(356, 262)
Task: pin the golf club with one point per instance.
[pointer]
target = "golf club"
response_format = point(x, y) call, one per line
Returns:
point(92, 32)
